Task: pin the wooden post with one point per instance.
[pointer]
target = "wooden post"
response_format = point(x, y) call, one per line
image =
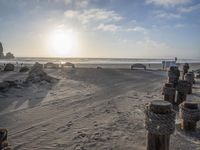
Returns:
point(169, 93)
point(182, 89)
point(188, 125)
point(190, 79)
point(158, 141)
point(171, 77)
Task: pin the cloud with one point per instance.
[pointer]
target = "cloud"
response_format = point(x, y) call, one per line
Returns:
point(108, 27)
point(136, 29)
point(95, 14)
point(167, 15)
point(168, 2)
point(189, 9)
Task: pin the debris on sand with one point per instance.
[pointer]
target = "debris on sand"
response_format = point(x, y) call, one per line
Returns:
point(9, 67)
point(37, 74)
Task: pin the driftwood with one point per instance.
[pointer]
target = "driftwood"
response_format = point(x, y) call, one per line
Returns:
point(138, 66)
point(51, 65)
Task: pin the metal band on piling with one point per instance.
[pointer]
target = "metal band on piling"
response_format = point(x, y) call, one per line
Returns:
point(169, 93)
point(160, 123)
point(189, 77)
point(182, 88)
point(189, 114)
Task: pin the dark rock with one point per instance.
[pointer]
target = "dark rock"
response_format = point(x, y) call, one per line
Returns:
point(99, 68)
point(51, 65)
point(9, 67)
point(24, 69)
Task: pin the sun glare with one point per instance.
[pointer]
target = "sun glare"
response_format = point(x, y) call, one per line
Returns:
point(63, 43)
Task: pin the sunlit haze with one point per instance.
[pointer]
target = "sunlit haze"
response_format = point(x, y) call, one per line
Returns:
point(62, 43)
point(101, 28)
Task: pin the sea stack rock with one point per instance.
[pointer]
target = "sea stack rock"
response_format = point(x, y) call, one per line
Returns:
point(9, 56)
point(1, 51)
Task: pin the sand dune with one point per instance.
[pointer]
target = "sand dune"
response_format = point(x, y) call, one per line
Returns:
point(85, 109)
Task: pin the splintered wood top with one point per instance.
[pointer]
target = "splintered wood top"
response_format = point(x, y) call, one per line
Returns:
point(160, 107)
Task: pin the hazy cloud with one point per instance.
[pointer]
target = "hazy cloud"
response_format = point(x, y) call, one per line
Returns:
point(137, 29)
point(167, 2)
point(167, 15)
point(189, 9)
point(95, 14)
point(108, 27)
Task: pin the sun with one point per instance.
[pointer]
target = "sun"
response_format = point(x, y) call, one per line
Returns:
point(63, 43)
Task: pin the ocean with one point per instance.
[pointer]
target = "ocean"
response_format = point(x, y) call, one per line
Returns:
point(28, 60)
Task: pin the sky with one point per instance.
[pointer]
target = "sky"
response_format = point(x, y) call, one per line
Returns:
point(101, 28)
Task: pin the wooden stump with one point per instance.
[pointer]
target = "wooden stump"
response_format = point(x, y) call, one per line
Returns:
point(182, 89)
point(154, 141)
point(171, 77)
point(186, 124)
point(169, 93)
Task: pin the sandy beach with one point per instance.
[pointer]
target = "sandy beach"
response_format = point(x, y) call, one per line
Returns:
point(86, 109)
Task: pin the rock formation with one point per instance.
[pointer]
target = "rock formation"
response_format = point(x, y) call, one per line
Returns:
point(37, 74)
point(7, 56)
point(1, 51)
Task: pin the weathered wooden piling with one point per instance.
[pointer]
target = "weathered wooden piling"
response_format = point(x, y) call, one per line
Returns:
point(189, 114)
point(182, 89)
point(160, 123)
point(169, 93)
point(189, 77)
point(193, 76)
point(173, 75)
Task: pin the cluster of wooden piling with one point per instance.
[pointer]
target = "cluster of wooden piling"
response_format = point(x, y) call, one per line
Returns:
point(160, 118)
point(175, 90)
